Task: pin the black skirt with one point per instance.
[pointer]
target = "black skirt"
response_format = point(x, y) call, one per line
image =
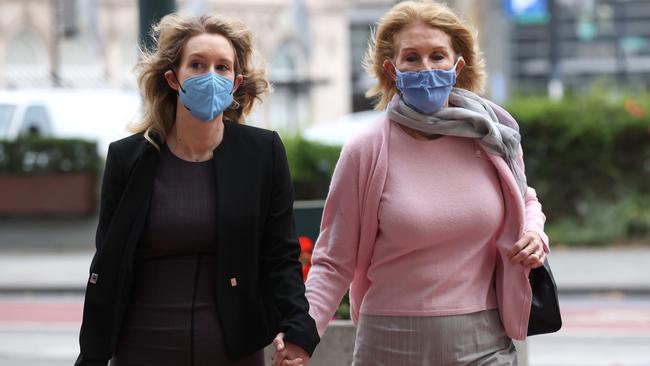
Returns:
point(172, 317)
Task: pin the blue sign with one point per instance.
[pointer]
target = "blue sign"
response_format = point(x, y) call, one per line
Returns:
point(527, 11)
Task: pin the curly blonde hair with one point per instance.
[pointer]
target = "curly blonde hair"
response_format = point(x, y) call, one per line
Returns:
point(383, 46)
point(170, 36)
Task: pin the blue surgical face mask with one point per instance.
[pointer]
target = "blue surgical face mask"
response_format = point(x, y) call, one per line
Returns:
point(206, 95)
point(428, 90)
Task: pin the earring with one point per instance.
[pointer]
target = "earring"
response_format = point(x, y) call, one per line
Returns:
point(235, 105)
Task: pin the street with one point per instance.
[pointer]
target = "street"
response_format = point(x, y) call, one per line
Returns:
point(38, 329)
point(608, 329)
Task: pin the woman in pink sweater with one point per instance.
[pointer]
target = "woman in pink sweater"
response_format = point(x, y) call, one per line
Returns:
point(429, 220)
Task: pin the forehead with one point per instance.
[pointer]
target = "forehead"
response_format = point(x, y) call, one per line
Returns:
point(209, 45)
point(421, 36)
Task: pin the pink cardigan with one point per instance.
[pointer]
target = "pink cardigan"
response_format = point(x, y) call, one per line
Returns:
point(345, 245)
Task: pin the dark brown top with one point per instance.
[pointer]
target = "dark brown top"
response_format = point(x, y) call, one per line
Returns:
point(182, 214)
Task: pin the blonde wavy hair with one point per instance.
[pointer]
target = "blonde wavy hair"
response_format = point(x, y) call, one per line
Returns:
point(383, 46)
point(170, 36)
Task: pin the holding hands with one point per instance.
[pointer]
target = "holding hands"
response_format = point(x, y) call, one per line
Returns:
point(288, 354)
point(528, 250)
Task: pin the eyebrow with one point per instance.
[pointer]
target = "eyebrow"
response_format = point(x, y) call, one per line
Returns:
point(438, 48)
point(200, 54)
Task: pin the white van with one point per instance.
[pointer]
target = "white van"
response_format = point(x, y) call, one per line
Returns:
point(100, 115)
point(339, 131)
point(23, 115)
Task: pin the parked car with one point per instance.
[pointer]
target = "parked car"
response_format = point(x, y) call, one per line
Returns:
point(101, 115)
point(338, 131)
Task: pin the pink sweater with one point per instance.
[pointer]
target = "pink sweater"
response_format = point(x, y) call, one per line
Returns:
point(441, 199)
point(345, 246)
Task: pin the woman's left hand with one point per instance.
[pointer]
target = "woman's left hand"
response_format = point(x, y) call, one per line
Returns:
point(528, 250)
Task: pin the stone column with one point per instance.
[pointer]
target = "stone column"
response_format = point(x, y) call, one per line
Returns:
point(112, 61)
point(53, 43)
point(330, 61)
point(3, 62)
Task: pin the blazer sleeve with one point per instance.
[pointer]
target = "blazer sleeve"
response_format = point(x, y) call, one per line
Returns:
point(335, 253)
point(281, 268)
point(111, 191)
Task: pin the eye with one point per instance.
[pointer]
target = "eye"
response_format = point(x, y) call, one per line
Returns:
point(438, 56)
point(196, 65)
point(412, 57)
point(223, 67)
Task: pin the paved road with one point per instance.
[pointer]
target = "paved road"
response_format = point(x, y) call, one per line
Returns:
point(39, 330)
point(609, 329)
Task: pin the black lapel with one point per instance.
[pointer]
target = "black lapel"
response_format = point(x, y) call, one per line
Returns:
point(129, 218)
point(134, 214)
point(141, 190)
point(225, 162)
point(137, 197)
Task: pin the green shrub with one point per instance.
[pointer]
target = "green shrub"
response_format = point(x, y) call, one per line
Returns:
point(587, 156)
point(583, 149)
point(46, 155)
point(604, 223)
point(312, 165)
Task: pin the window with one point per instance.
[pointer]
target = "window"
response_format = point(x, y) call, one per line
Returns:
point(69, 18)
point(6, 111)
point(36, 122)
point(290, 101)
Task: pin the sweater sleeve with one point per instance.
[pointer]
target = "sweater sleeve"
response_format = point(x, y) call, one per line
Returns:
point(335, 252)
point(535, 218)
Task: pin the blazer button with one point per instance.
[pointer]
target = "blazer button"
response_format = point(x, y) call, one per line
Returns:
point(233, 282)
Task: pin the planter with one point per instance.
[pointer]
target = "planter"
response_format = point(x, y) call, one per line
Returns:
point(48, 194)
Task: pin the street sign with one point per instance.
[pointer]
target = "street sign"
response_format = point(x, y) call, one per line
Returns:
point(527, 11)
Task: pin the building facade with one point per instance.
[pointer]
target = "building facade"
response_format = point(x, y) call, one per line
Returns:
point(580, 43)
point(311, 48)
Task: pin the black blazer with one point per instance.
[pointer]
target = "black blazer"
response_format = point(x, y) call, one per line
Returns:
point(255, 218)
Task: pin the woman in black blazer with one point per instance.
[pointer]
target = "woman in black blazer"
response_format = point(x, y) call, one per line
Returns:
point(196, 261)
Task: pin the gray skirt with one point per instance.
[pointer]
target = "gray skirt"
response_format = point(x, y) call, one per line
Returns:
point(468, 339)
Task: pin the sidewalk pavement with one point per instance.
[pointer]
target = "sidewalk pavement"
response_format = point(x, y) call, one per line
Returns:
point(51, 254)
point(575, 270)
point(54, 255)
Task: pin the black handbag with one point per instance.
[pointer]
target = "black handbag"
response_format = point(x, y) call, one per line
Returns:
point(545, 309)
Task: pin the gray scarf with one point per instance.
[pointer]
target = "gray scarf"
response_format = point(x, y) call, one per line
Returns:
point(470, 117)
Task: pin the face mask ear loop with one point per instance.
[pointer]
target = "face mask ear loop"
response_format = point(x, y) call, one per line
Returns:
point(390, 77)
point(232, 92)
point(399, 92)
point(179, 83)
point(235, 104)
point(457, 61)
point(394, 67)
point(180, 86)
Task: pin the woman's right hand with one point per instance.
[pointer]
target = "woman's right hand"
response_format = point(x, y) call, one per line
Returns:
point(288, 354)
point(528, 250)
